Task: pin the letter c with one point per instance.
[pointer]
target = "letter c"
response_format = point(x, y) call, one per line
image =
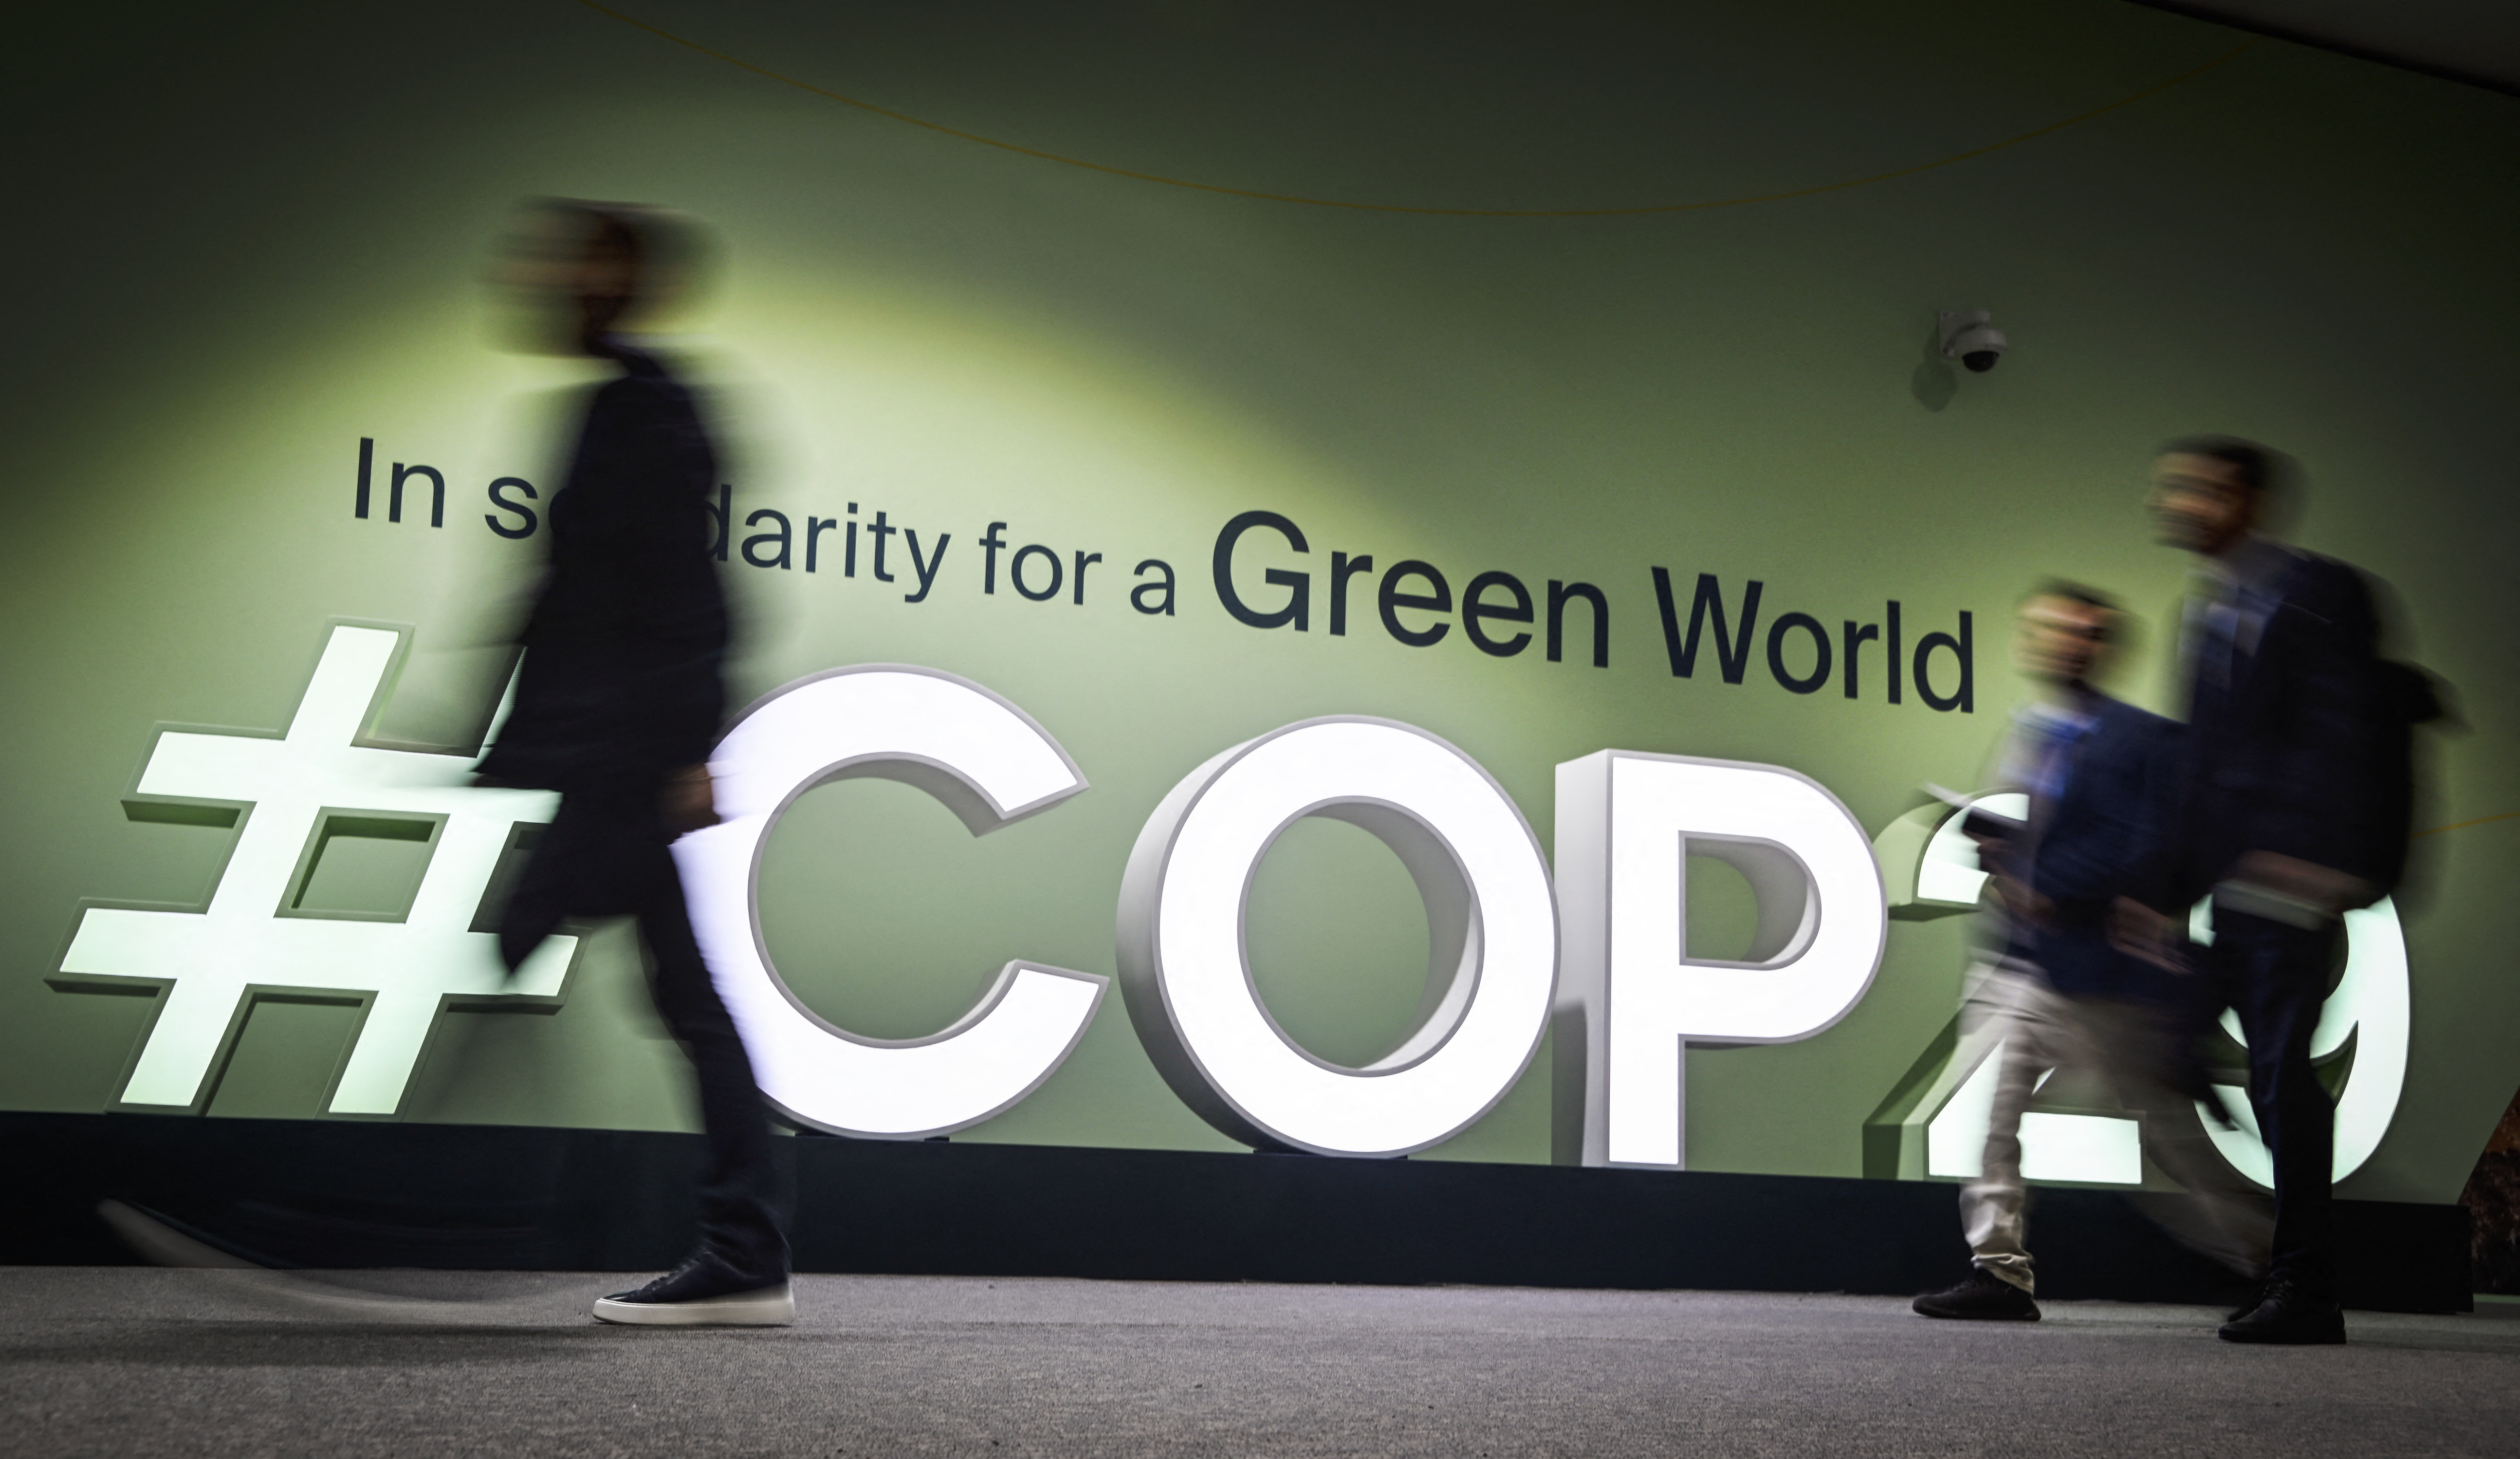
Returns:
point(991, 765)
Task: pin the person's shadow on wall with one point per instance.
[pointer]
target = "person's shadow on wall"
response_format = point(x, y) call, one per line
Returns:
point(1933, 382)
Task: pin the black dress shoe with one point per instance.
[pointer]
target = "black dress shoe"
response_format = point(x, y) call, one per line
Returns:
point(703, 1292)
point(2291, 1316)
point(1982, 1296)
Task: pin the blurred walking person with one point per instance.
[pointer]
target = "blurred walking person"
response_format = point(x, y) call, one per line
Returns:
point(617, 704)
point(2294, 811)
point(2098, 774)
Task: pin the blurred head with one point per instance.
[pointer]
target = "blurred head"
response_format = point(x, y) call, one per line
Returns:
point(2065, 633)
point(570, 272)
point(2208, 493)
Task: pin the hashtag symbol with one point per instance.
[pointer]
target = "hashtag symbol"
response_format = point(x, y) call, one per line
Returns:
point(250, 943)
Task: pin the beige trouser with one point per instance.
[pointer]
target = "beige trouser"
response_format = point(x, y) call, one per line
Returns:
point(2221, 1215)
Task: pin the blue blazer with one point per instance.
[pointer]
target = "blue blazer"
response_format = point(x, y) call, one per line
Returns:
point(2102, 838)
point(2290, 753)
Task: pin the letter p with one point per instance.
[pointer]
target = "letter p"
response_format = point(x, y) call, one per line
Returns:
point(1630, 997)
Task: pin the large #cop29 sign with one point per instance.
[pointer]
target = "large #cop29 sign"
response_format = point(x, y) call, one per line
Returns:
point(1600, 946)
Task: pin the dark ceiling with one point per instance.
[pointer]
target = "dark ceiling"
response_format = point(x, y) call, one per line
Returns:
point(2476, 41)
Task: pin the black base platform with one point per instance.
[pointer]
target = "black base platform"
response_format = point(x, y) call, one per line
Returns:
point(489, 1196)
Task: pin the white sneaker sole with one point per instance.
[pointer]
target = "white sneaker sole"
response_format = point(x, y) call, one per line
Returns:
point(768, 1306)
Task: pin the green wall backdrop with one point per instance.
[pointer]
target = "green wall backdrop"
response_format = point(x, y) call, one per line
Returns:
point(244, 240)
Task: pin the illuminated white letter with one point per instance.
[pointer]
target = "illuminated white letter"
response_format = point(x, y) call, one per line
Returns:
point(1491, 931)
point(1626, 824)
point(2368, 1020)
point(990, 764)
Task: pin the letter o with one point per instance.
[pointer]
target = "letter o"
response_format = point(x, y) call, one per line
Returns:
point(1819, 676)
point(1491, 922)
point(1015, 573)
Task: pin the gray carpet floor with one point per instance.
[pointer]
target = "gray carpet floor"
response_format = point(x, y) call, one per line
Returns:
point(130, 1361)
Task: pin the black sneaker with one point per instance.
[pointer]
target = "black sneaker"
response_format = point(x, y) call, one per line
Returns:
point(2291, 1316)
point(703, 1292)
point(1983, 1297)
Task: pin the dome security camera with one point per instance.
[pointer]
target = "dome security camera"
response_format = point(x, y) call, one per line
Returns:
point(1971, 337)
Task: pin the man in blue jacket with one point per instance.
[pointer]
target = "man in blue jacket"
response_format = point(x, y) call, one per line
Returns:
point(2098, 774)
point(2294, 811)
